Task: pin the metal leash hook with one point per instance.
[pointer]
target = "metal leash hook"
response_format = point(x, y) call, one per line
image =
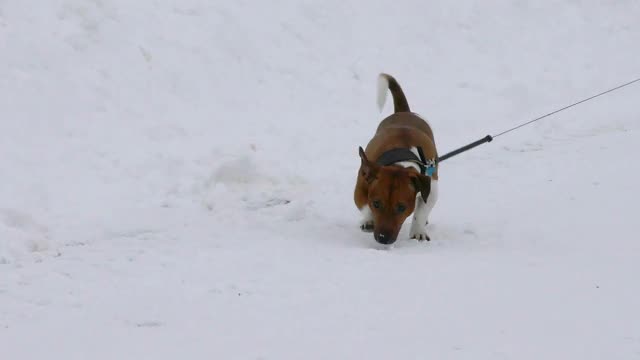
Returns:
point(488, 138)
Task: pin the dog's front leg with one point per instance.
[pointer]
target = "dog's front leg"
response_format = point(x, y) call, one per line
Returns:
point(421, 213)
point(366, 224)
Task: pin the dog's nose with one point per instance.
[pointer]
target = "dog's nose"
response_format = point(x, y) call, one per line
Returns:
point(384, 238)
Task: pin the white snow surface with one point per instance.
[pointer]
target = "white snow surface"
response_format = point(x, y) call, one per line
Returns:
point(177, 180)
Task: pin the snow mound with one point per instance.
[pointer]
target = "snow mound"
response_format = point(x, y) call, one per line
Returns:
point(21, 235)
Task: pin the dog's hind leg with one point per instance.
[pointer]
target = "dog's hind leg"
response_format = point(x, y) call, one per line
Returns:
point(422, 212)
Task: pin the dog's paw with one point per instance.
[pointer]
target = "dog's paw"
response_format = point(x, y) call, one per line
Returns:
point(420, 235)
point(366, 226)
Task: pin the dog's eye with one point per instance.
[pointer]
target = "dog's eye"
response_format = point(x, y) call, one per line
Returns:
point(376, 204)
point(401, 208)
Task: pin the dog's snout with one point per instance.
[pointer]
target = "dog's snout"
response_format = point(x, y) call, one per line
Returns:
point(384, 238)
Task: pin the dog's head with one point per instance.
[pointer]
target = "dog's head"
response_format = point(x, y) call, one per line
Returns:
point(392, 196)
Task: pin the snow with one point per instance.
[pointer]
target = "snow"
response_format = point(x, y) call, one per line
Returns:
point(178, 178)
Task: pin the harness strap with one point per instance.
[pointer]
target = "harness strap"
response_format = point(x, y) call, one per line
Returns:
point(396, 155)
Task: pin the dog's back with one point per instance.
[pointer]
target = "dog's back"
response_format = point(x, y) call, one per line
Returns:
point(403, 128)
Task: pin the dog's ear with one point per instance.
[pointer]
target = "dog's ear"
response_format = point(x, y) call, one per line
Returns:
point(422, 183)
point(368, 170)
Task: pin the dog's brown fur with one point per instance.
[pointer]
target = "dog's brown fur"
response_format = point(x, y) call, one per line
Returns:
point(394, 186)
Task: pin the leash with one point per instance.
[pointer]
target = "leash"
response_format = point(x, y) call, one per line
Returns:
point(489, 138)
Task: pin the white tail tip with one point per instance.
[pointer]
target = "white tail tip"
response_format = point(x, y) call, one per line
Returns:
point(383, 87)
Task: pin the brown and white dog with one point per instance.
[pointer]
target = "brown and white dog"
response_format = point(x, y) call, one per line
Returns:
point(394, 180)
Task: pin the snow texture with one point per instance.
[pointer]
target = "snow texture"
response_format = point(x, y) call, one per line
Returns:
point(177, 180)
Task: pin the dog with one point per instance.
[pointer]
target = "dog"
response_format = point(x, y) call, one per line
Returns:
point(398, 173)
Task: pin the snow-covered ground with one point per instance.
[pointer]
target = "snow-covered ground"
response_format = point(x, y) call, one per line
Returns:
point(177, 180)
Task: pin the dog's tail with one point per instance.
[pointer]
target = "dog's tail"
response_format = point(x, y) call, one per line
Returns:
point(387, 82)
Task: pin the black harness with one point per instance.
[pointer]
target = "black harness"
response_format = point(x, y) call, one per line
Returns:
point(390, 157)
